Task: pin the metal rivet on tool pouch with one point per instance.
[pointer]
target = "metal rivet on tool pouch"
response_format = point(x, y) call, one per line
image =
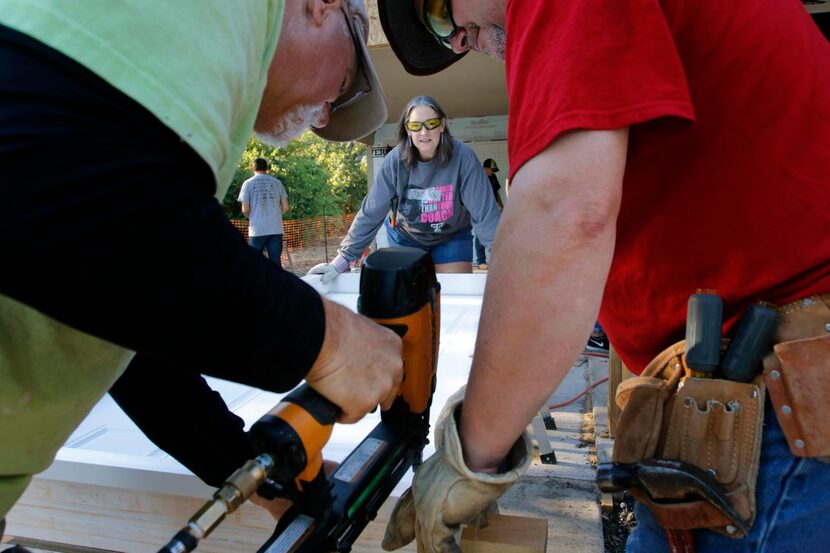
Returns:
point(799, 444)
point(775, 375)
point(827, 327)
point(731, 529)
point(713, 472)
point(689, 401)
point(753, 394)
point(786, 410)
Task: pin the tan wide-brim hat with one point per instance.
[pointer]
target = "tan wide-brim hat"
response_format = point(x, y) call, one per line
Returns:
point(369, 112)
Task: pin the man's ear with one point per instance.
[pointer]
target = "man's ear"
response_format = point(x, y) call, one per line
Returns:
point(319, 8)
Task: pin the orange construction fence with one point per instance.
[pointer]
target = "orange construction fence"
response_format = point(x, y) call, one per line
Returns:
point(307, 242)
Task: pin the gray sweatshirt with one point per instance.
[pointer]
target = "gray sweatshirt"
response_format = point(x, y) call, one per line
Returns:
point(434, 202)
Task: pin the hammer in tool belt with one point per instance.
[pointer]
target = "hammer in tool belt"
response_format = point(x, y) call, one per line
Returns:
point(664, 481)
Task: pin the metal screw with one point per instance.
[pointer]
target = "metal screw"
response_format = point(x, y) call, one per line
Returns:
point(799, 444)
point(731, 529)
point(775, 375)
point(786, 410)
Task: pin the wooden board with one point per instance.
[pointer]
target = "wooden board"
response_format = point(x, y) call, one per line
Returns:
point(617, 372)
point(118, 520)
point(507, 534)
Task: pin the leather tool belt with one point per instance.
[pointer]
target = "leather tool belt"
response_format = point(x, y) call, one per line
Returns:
point(716, 424)
point(710, 423)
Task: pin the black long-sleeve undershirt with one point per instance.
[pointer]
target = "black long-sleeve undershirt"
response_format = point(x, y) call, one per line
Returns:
point(108, 223)
point(206, 438)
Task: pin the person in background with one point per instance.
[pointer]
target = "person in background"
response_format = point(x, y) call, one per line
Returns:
point(430, 192)
point(597, 341)
point(490, 169)
point(264, 201)
point(146, 109)
point(656, 147)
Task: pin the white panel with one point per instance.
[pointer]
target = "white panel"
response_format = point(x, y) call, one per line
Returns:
point(107, 449)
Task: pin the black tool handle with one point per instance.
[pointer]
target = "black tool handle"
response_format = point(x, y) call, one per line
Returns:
point(318, 406)
point(703, 333)
point(616, 477)
point(751, 342)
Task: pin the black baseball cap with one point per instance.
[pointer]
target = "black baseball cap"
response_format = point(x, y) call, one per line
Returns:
point(418, 51)
point(490, 163)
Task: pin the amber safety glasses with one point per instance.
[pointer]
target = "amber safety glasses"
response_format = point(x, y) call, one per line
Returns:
point(438, 20)
point(430, 124)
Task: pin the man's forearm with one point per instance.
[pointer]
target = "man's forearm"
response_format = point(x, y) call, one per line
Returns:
point(112, 271)
point(540, 302)
point(174, 407)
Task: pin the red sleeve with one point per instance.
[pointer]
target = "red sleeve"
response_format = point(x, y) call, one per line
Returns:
point(588, 64)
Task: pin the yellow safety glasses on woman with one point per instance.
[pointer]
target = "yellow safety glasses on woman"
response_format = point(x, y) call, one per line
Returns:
point(430, 124)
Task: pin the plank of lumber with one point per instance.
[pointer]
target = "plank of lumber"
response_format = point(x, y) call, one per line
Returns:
point(83, 517)
point(507, 534)
point(617, 372)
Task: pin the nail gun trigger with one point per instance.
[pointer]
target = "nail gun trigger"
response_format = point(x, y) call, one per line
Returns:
point(271, 489)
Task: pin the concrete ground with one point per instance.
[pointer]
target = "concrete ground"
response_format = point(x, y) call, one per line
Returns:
point(565, 493)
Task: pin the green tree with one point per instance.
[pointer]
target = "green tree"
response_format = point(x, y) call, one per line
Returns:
point(346, 165)
point(320, 177)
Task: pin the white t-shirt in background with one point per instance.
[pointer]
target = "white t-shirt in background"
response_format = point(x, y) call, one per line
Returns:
point(265, 194)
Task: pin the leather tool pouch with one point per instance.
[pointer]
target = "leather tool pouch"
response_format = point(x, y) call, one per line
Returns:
point(798, 376)
point(710, 423)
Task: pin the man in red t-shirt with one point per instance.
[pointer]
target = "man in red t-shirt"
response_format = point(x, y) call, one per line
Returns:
point(656, 147)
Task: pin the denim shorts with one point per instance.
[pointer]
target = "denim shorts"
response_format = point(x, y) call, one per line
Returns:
point(458, 247)
point(793, 502)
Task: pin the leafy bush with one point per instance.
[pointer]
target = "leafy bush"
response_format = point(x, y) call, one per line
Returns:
point(321, 178)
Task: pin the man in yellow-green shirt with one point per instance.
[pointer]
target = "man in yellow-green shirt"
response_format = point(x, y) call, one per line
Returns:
point(142, 110)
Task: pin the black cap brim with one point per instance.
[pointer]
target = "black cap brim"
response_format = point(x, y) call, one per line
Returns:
point(415, 47)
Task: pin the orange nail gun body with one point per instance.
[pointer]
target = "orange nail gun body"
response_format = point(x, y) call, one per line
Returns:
point(398, 289)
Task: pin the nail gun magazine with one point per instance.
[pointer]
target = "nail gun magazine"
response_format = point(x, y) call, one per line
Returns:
point(398, 289)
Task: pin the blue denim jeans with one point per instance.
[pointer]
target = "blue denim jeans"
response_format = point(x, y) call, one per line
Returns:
point(793, 503)
point(480, 250)
point(270, 242)
point(458, 247)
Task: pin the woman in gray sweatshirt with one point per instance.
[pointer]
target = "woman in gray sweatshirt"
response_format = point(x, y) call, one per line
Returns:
point(430, 192)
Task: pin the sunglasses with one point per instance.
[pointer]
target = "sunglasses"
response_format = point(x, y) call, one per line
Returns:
point(430, 124)
point(346, 101)
point(438, 20)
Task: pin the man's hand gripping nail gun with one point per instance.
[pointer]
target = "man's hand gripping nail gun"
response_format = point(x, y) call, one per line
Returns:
point(399, 290)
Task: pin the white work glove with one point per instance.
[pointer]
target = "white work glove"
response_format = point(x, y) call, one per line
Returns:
point(445, 493)
point(330, 271)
